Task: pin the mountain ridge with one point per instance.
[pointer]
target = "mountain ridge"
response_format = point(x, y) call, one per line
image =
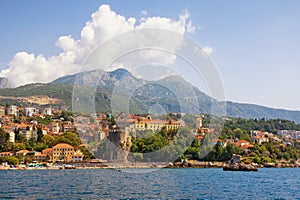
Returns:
point(170, 92)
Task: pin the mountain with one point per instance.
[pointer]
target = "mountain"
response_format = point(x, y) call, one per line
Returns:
point(4, 83)
point(119, 89)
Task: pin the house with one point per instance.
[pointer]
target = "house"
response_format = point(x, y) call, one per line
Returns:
point(33, 153)
point(48, 152)
point(41, 157)
point(77, 156)
point(215, 141)
point(244, 144)
point(54, 127)
point(68, 126)
point(27, 131)
point(23, 152)
point(259, 137)
point(62, 152)
point(6, 154)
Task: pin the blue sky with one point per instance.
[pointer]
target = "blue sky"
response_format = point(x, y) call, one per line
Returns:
point(256, 43)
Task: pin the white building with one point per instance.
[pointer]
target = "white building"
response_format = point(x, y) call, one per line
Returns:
point(47, 111)
point(12, 110)
point(30, 111)
point(12, 137)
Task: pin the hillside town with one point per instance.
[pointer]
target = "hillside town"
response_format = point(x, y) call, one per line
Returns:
point(35, 137)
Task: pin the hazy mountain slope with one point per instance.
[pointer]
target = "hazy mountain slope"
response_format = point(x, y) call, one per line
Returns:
point(172, 93)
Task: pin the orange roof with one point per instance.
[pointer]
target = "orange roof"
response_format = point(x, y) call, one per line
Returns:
point(199, 137)
point(48, 150)
point(6, 153)
point(243, 141)
point(63, 146)
point(247, 146)
point(23, 151)
point(22, 126)
point(216, 140)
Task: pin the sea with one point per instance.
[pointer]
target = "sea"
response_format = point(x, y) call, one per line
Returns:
point(271, 183)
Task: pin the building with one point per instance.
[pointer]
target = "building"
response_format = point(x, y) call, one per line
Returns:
point(6, 154)
point(48, 152)
point(12, 136)
point(23, 152)
point(213, 142)
point(41, 157)
point(30, 111)
point(62, 152)
point(199, 122)
point(54, 127)
point(47, 111)
point(259, 137)
point(27, 131)
point(77, 156)
point(12, 110)
point(156, 124)
point(2, 111)
point(292, 134)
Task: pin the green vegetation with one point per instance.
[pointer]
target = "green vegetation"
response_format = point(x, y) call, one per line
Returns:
point(234, 129)
point(161, 146)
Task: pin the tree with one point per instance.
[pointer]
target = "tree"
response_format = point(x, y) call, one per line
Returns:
point(39, 146)
point(20, 137)
point(19, 146)
point(87, 154)
point(70, 138)
point(49, 140)
point(4, 136)
point(286, 156)
point(39, 135)
point(12, 160)
point(138, 157)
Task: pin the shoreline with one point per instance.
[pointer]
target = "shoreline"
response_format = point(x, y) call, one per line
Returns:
point(175, 165)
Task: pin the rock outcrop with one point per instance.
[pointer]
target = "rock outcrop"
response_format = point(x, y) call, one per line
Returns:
point(235, 164)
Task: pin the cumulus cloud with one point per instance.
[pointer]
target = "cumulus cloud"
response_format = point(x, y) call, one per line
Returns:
point(144, 12)
point(27, 68)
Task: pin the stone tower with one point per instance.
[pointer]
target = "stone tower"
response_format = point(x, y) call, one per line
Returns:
point(118, 146)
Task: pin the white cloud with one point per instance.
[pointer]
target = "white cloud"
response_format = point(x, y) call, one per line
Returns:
point(207, 50)
point(27, 68)
point(144, 12)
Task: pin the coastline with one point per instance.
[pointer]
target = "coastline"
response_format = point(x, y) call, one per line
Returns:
point(140, 165)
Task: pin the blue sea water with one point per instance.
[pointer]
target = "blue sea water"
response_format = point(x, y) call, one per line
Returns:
point(158, 184)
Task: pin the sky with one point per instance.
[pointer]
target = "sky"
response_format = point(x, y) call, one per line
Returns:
point(254, 44)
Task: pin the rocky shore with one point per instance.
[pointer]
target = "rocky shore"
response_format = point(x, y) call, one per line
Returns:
point(186, 164)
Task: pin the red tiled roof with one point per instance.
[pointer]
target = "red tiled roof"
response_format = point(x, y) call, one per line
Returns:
point(63, 146)
point(22, 151)
point(247, 146)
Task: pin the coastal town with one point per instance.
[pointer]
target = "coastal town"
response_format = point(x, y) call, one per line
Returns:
point(33, 137)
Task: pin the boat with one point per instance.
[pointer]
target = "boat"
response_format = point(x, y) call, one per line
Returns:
point(69, 167)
